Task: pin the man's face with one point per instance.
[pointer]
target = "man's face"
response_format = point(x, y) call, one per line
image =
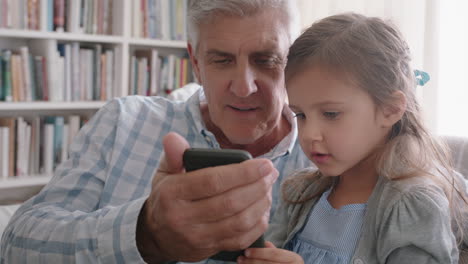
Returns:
point(240, 62)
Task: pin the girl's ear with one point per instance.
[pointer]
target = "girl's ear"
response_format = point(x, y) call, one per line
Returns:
point(394, 110)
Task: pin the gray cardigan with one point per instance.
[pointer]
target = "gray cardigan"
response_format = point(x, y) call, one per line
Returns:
point(406, 221)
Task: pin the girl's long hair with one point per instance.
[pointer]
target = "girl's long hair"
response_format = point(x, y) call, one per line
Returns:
point(372, 53)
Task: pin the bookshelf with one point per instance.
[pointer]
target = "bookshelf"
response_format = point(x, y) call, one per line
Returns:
point(126, 29)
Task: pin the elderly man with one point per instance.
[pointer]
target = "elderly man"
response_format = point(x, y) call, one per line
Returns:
point(118, 199)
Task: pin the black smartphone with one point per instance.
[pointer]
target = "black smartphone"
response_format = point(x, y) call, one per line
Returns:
point(199, 158)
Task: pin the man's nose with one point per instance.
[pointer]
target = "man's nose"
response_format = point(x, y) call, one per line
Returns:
point(244, 82)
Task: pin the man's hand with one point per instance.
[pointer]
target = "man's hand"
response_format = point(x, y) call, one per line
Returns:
point(269, 254)
point(191, 216)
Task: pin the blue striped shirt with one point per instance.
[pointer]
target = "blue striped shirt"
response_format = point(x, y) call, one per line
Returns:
point(330, 235)
point(88, 212)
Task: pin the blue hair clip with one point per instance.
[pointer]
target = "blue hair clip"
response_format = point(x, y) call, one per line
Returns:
point(422, 77)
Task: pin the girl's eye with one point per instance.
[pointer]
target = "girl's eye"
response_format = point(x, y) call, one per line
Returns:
point(299, 115)
point(331, 115)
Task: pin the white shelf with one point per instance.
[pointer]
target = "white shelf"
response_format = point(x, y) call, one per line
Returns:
point(15, 190)
point(47, 108)
point(158, 43)
point(64, 36)
point(18, 182)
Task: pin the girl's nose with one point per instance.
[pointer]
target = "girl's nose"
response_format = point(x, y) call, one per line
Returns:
point(311, 132)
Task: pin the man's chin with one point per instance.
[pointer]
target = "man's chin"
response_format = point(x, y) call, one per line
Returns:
point(241, 137)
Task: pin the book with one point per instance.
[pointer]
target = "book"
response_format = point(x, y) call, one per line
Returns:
point(45, 80)
point(34, 166)
point(32, 72)
point(16, 78)
point(4, 152)
point(39, 78)
point(73, 127)
point(75, 63)
point(109, 74)
point(20, 153)
point(58, 122)
point(64, 150)
point(25, 67)
point(2, 92)
point(133, 74)
point(7, 85)
point(48, 149)
point(59, 15)
point(11, 124)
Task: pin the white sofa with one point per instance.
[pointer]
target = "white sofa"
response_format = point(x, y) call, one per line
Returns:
point(458, 146)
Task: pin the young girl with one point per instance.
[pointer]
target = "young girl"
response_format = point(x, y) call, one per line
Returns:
point(384, 191)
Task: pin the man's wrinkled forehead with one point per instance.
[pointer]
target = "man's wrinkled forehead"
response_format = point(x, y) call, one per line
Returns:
point(268, 30)
point(236, 38)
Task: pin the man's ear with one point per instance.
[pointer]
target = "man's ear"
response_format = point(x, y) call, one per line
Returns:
point(393, 111)
point(194, 61)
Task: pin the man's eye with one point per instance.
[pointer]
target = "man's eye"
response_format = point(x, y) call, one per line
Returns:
point(267, 61)
point(331, 115)
point(222, 61)
point(299, 115)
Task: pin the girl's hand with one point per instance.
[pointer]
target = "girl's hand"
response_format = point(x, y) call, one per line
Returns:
point(269, 254)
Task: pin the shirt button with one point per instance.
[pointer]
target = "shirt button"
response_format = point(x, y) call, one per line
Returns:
point(358, 261)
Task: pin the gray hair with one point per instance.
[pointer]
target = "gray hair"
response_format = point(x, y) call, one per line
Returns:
point(203, 10)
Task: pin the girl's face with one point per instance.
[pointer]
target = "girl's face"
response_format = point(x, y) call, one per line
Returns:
point(339, 124)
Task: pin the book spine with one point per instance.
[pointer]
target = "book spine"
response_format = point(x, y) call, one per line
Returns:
point(50, 15)
point(4, 152)
point(59, 15)
point(2, 88)
point(7, 83)
point(39, 76)
point(46, 81)
point(48, 148)
point(97, 71)
point(109, 74)
point(33, 78)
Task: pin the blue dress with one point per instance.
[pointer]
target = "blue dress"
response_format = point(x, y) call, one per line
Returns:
point(330, 235)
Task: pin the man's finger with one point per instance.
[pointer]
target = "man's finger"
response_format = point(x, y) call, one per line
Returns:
point(230, 202)
point(208, 182)
point(174, 147)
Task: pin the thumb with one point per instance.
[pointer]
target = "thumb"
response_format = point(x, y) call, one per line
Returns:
point(174, 147)
point(268, 244)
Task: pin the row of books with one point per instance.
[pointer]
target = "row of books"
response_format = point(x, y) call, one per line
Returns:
point(151, 74)
point(159, 19)
point(74, 73)
point(37, 145)
point(76, 16)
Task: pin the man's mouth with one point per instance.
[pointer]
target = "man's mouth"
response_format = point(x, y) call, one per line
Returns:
point(244, 109)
